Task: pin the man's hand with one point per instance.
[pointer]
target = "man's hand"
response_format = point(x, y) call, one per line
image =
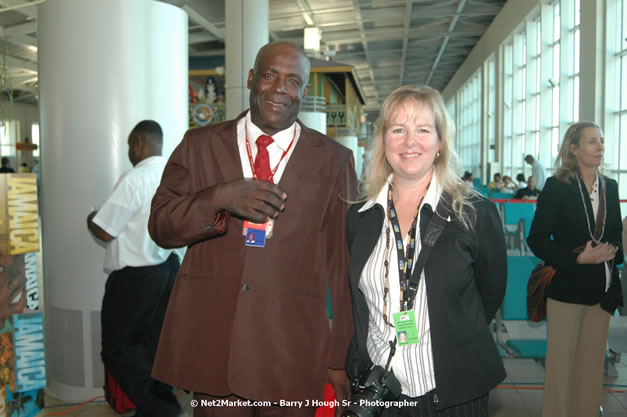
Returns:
point(97, 230)
point(251, 199)
point(341, 385)
point(91, 216)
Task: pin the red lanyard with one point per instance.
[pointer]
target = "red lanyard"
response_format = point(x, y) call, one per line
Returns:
point(250, 155)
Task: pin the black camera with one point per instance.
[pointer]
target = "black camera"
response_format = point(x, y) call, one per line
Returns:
point(374, 388)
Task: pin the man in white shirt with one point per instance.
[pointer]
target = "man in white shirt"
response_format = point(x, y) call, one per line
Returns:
point(537, 171)
point(141, 276)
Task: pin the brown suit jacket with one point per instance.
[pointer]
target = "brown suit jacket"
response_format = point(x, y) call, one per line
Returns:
point(253, 321)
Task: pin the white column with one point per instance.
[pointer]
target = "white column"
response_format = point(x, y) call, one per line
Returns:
point(104, 65)
point(169, 73)
point(247, 28)
point(592, 62)
point(314, 120)
point(351, 143)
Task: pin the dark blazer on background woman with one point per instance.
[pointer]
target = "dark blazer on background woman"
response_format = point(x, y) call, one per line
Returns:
point(560, 214)
point(465, 287)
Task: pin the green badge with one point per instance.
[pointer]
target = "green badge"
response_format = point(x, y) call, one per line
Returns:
point(406, 329)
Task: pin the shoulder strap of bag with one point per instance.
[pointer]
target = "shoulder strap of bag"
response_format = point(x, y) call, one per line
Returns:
point(432, 234)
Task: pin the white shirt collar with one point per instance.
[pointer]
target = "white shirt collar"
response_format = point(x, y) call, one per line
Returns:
point(431, 198)
point(282, 138)
point(148, 160)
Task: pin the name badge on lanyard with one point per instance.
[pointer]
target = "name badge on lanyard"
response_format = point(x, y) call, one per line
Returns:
point(257, 233)
point(406, 328)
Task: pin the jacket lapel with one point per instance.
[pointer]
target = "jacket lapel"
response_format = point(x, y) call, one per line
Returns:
point(224, 146)
point(577, 193)
point(306, 156)
point(369, 224)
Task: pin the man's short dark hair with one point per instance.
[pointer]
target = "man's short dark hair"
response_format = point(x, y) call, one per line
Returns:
point(298, 48)
point(149, 128)
point(5, 161)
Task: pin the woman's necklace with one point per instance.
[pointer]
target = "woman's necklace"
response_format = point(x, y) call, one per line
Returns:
point(585, 208)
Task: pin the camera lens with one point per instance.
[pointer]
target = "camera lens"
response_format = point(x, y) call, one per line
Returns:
point(375, 387)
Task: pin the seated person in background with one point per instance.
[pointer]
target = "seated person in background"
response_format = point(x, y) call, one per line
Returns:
point(509, 186)
point(496, 184)
point(6, 165)
point(520, 179)
point(530, 192)
point(468, 179)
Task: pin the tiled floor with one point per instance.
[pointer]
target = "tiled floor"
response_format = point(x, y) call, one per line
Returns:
point(520, 395)
point(97, 408)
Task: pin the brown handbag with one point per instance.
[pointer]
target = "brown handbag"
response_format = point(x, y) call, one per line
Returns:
point(539, 280)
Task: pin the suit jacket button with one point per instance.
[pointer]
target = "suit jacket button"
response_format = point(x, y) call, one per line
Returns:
point(244, 287)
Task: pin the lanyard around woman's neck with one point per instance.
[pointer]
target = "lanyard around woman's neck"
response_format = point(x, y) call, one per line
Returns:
point(405, 255)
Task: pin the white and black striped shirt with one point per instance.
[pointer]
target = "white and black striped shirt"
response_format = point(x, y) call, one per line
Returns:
point(412, 364)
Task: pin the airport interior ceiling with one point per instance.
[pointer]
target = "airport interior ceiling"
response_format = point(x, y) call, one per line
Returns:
point(389, 42)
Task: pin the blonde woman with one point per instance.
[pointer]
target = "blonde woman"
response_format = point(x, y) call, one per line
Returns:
point(449, 362)
point(577, 230)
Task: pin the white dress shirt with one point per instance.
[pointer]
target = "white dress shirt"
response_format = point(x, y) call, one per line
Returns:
point(539, 173)
point(125, 217)
point(412, 364)
point(281, 143)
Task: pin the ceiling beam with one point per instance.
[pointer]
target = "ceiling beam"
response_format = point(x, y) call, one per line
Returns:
point(25, 7)
point(20, 79)
point(200, 37)
point(307, 13)
point(460, 7)
point(333, 11)
point(21, 29)
point(406, 25)
point(23, 40)
point(13, 62)
point(208, 52)
point(348, 37)
point(201, 20)
point(362, 36)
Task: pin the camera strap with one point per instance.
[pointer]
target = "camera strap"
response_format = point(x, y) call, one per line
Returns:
point(440, 217)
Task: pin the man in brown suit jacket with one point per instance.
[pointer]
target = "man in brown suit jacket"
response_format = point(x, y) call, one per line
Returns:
point(250, 323)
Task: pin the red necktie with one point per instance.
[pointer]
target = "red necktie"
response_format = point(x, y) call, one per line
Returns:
point(262, 160)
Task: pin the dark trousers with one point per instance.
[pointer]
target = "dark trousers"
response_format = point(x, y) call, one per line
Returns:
point(424, 406)
point(133, 309)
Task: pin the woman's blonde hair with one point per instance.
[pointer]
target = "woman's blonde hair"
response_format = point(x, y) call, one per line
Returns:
point(566, 165)
point(446, 164)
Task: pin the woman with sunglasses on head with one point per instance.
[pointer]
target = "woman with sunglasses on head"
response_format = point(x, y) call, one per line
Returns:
point(577, 230)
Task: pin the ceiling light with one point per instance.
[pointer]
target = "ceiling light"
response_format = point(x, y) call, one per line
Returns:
point(312, 39)
point(308, 19)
